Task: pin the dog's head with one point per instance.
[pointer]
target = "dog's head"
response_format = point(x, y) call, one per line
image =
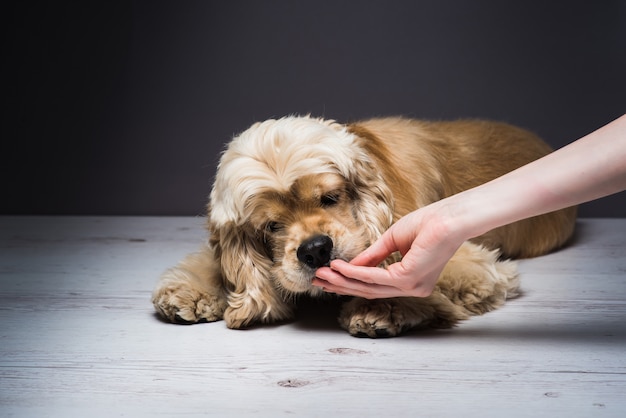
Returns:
point(290, 195)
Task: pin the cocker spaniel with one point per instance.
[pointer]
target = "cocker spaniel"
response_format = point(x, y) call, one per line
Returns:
point(292, 194)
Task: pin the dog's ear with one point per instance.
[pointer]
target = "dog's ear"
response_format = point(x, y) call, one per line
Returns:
point(373, 197)
point(377, 185)
point(245, 267)
point(374, 206)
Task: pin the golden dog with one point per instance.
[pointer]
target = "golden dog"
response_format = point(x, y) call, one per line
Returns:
point(294, 193)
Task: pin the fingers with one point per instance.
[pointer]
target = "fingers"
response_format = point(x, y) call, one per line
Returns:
point(374, 282)
point(334, 282)
point(374, 255)
point(364, 274)
point(379, 250)
point(371, 282)
point(398, 237)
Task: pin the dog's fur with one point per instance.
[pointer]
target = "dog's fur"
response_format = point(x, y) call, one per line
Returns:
point(283, 184)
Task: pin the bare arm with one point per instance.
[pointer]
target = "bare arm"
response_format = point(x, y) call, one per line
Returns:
point(587, 169)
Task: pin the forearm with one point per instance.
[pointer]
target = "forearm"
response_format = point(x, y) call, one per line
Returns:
point(587, 169)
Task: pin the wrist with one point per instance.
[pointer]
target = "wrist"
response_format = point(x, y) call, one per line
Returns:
point(455, 220)
point(477, 211)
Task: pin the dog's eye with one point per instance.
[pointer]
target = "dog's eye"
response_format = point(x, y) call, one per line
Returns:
point(330, 199)
point(272, 226)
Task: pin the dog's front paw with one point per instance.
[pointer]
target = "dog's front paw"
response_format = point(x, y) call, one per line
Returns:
point(374, 318)
point(180, 302)
point(244, 310)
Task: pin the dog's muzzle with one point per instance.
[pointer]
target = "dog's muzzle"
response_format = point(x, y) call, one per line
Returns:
point(315, 252)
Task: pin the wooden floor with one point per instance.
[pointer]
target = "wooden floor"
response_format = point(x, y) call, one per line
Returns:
point(78, 337)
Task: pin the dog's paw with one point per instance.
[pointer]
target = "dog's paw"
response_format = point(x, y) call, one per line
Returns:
point(476, 280)
point(244, 310)
point(184, 304)
point(375, 318)
point(391, 317)
point(481, 299)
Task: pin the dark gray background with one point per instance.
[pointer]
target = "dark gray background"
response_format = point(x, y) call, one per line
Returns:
point(123, 107)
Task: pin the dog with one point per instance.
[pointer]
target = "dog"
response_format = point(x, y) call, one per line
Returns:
point(294, 193)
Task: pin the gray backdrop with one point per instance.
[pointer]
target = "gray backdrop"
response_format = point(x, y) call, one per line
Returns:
point(123, 107)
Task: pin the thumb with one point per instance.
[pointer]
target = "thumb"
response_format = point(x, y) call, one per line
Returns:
point(377, 252)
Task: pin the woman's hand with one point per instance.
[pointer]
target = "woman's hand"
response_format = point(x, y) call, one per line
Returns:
point(425, 240)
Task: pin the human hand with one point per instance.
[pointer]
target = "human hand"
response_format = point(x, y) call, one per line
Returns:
point(426, 242)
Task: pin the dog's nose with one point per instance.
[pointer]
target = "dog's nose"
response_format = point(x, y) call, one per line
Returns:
point(315, 252)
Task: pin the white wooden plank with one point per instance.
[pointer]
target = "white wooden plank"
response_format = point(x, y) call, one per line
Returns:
point(78, 337)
